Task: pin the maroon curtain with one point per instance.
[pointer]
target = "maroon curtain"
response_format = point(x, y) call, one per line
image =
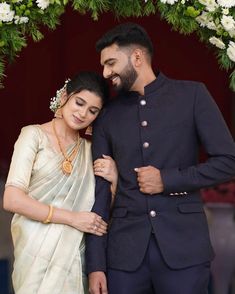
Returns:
point(42, 67)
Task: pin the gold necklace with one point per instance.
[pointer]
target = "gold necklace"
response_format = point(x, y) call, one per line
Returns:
point(67, 166)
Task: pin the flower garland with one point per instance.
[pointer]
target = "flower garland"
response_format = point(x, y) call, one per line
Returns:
point(212, 20)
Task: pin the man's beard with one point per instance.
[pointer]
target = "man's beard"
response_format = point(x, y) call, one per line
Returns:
point(127, 78)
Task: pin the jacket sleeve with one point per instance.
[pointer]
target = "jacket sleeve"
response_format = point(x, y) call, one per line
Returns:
point(218, 144)
point(96, 245)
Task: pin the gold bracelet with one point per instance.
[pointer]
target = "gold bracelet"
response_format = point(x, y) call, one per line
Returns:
point(48, 219)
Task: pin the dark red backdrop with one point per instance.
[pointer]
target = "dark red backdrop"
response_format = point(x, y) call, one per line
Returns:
point(42, 67)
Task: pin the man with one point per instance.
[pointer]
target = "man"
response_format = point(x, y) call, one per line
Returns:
point(158, 237)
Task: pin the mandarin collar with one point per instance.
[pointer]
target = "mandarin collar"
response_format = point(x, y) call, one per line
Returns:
point(155, 85)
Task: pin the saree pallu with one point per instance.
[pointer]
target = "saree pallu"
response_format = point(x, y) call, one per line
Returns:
point(49, 258)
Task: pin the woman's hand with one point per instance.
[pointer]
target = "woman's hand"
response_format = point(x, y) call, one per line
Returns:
point(106, 168)
point(89, 222)
point(17, 201)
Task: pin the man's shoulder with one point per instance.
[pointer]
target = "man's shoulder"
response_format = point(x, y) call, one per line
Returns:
point(184, 83)
point(185, 88)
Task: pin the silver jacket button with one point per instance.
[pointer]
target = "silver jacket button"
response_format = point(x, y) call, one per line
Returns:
point(144, 123)
point(146, 145)
point(153, 213)
point(142, 102)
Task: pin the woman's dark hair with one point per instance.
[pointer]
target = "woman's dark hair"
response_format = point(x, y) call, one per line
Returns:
point(90, 81)
point(124, 35)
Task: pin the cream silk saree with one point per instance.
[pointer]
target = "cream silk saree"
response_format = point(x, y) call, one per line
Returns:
point(49, 258)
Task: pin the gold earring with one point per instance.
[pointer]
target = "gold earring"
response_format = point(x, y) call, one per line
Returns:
point(89, 130)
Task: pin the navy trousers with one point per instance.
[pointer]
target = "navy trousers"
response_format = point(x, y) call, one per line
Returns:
point(155, 277)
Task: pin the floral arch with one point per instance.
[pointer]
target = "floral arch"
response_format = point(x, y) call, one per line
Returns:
point(212, 20)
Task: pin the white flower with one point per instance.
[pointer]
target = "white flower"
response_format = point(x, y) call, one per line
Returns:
point(204, 19)
point(232, 33)
point(226, 3)
point(231, 51)
point(211, 5)
point(228, 22)
point(211, 26)
point(217, 42)
point(43, 4)
point(6, 14)
point(225, 11)
point(55, 102)
point(171, 2)
point(20, 20)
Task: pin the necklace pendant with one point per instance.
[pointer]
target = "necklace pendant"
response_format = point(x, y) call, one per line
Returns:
point(67, 167)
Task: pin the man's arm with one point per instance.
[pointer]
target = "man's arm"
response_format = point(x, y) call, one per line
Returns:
point(217, 142)
point(96, 247)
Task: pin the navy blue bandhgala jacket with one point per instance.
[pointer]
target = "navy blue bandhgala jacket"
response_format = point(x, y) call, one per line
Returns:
point(164, 128)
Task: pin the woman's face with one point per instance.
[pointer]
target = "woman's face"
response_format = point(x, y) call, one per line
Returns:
point(81, 109)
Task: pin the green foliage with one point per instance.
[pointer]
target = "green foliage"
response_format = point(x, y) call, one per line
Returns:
point(203, 17)
point(95, 7)
point(149, 8)
point(224, 60)
point(12, 42)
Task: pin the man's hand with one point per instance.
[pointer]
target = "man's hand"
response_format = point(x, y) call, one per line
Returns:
point(98, 283)
point(149, 179)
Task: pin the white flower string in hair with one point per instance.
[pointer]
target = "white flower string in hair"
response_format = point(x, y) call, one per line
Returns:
point(55, 101)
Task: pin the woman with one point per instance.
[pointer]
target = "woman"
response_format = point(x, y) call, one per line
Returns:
point(50, 188)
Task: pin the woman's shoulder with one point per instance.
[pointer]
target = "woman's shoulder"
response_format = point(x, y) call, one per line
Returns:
point(34, 131)
point(38, 128)
point(30, 129)
point(29, 135)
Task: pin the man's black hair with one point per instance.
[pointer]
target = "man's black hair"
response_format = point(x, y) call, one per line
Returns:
point(124, 35)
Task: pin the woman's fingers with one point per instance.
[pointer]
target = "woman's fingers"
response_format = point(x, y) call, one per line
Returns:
point(98, 226)
point(98, 230)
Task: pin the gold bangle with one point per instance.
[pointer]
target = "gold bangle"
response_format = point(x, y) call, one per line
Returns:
point(48, 219)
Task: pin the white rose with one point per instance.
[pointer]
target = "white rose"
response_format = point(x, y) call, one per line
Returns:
point(217, 42)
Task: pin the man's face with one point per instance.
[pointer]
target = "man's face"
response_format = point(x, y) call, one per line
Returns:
point(118, 67)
